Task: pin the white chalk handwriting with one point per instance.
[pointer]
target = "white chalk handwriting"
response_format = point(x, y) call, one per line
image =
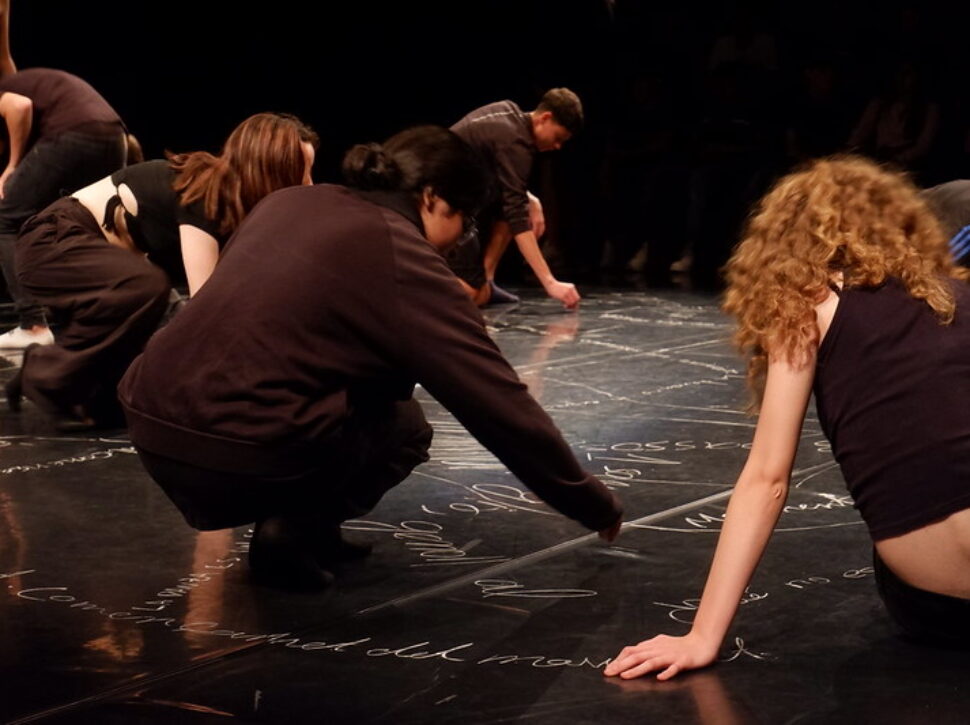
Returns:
point(85, 458)
point(424, 650)
point(425, 538)
point(511, 588)
point(684, 611)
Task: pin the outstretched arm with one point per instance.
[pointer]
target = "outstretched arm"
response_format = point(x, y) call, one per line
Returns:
point(565, 292)
point(752, 513)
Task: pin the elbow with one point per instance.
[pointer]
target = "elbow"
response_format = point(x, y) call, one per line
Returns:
point(771, 485)
point(19, 105)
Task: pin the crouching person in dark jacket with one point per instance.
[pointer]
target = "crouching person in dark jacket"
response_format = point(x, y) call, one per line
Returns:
point(281, 394)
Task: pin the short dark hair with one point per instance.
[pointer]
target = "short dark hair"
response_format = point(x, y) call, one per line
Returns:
point(566, 108)
point(420, 157)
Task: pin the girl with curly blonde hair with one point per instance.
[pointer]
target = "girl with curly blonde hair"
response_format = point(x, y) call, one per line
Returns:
point(843, 286)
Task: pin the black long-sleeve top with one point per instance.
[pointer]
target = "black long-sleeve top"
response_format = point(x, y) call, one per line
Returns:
point(502, 134)
point(324, 294)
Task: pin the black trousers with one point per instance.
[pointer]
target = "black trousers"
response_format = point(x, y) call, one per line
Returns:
point(377, 448)
point(107, 300)
point(924, 616)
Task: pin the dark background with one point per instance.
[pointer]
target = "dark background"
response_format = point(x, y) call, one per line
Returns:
point(680, 137)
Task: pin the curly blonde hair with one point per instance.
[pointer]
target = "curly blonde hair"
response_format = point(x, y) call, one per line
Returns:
point(840, 214)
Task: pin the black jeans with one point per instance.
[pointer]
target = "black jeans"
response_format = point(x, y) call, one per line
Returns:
point(49, 170)
point(924, 616)
point(377, 448)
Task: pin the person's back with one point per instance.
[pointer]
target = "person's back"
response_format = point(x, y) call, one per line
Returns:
point(154, 229)
point(502, 135)
point(499, 121)
point(497, 131)
point(61, 101)
point(285, 256)
point(891, 387)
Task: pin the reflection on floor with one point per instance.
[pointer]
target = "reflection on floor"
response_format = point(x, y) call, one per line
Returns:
point(478, 605)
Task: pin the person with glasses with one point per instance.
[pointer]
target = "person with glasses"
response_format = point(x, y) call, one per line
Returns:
point(282, 394)
point(507, 139)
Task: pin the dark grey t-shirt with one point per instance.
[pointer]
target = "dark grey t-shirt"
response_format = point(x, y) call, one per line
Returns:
point(502, 134)
point(62, 102)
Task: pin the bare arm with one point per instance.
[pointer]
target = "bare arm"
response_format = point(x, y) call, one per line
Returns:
point(522, 210)
point(479, 296)
point(752, 513)
point(18, 114)
point(565, 292)
point(537, 217)
point(200, 252)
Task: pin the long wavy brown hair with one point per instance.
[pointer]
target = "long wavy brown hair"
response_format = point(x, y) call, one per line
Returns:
point(840, 214)
point(261, 155)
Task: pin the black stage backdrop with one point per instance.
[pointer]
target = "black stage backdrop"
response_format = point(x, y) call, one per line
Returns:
point(182, 74)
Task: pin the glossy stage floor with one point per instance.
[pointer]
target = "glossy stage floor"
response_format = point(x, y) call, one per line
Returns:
point(478, 605)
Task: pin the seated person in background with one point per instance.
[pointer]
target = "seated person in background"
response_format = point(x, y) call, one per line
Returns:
point(951, 204)
point(84, 258)
point(282, 394)
point(507, 139)
point(843, 285)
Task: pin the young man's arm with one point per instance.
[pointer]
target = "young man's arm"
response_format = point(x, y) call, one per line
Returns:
point(565, 292)
point(513, 167)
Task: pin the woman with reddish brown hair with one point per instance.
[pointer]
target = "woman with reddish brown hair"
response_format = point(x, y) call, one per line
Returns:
point(84, 257)
point(843, 286)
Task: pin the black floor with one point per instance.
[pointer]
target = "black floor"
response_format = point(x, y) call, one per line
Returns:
point(478, 605)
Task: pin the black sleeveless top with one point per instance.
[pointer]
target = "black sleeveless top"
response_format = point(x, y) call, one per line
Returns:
point(892, 390)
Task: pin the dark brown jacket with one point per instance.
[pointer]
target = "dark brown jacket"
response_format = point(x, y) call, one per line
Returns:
point(321, 296)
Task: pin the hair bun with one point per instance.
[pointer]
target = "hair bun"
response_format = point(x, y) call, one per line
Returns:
point(368, 167)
